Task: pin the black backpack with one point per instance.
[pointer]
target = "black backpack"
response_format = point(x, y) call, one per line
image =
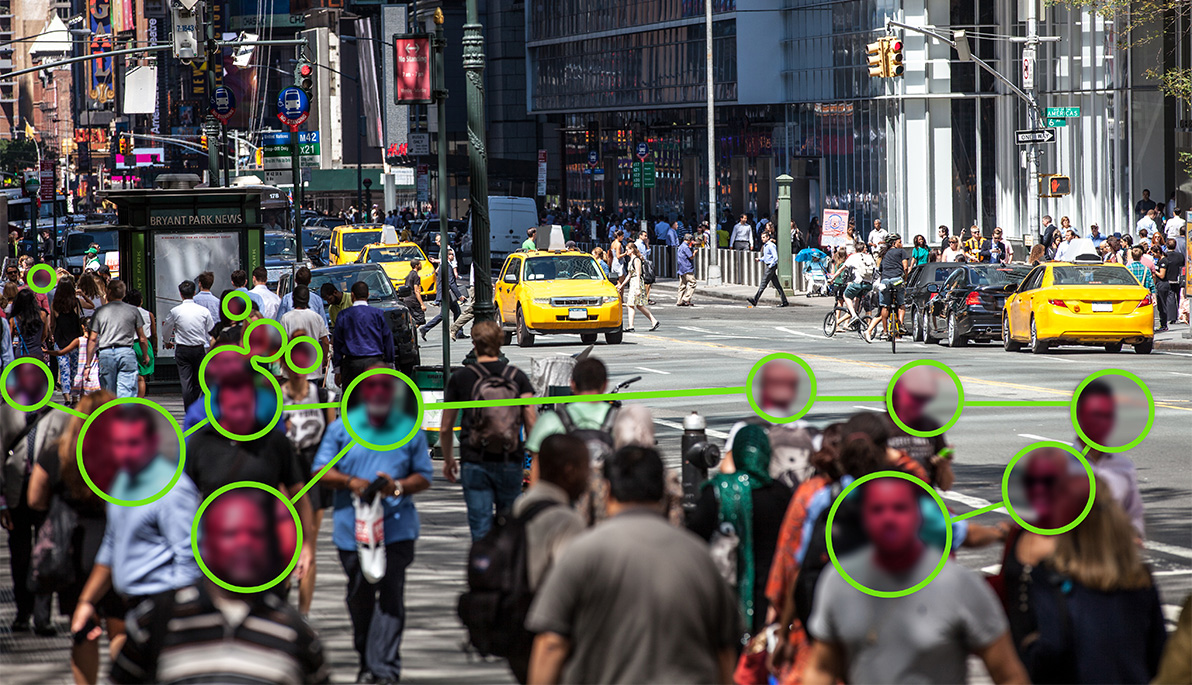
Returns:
point(498, 598)
point(599, 441)
point(648, 275)
point(848, 536)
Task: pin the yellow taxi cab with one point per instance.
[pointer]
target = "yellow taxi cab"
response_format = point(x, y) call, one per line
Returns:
point(348, 240)
point(1062, 303)
point(556, 291)
point(396, 260)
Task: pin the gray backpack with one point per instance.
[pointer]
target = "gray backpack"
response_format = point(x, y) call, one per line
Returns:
point(495, 430)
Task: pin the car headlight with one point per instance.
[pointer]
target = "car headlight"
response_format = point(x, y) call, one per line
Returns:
point(542, 300)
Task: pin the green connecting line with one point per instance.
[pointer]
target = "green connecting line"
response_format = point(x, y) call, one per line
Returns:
point(312, 405)
point(850, 398)
point(194, 428)
point(68, 410)
point(1018, 403)
point(607, 397)
point(322, 472)
point(976, 512)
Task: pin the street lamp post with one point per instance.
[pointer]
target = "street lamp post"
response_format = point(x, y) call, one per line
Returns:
point(440, 95)
point(714, 243)
point(473, 42)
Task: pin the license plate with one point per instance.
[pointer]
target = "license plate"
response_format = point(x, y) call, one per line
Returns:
point(1102, 306)
point(577, 314)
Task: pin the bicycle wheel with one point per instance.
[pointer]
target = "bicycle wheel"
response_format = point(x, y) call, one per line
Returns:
point(830, 323)
point(892, 329)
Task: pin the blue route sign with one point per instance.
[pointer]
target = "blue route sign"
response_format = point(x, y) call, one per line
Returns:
point(223, 103)
point(293, 106)
point(643, 151)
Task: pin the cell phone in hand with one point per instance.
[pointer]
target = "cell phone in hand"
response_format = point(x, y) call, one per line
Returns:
point(373, 488)
point(81, 636)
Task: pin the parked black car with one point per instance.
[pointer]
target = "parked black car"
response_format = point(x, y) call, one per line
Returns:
point(917, 295)
point(380, 295)
point(968, 306)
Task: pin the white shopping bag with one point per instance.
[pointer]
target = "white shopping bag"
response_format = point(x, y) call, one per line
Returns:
point(370, 537)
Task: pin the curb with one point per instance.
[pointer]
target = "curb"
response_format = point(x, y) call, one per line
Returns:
point(1182, 345)
point(732, 297)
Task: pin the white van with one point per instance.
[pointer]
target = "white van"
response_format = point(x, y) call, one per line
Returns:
point(509, 217)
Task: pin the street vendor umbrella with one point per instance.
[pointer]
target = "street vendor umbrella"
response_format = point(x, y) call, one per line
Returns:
point(810, 254)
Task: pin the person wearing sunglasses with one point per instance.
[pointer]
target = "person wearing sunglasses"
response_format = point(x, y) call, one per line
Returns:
point(951, 250)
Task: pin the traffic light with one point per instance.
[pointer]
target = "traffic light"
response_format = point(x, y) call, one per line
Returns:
point(876, 53)
point(1055, 185)
point(894, 57)
point(304, 76)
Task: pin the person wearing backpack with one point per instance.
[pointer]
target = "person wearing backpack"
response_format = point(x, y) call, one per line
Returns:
point(490, 438)
point(507, 566)
point(591, 422)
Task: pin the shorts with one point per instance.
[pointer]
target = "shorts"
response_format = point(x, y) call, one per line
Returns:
point(888, 293)
point(857, 289)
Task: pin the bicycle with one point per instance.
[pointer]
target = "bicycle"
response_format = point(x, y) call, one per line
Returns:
point(894, 329)
point(841, 319)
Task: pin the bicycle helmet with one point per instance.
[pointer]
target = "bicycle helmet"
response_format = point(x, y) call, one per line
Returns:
point(892, 238)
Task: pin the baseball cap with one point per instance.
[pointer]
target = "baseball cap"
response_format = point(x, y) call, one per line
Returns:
point(92, 250)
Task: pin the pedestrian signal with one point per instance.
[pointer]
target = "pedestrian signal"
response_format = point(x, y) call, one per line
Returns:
point(1055, 186)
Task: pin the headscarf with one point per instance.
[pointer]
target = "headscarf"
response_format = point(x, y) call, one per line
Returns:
point(734, 491)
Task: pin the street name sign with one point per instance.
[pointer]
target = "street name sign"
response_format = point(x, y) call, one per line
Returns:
point(1062, 112)
point(1037, 135)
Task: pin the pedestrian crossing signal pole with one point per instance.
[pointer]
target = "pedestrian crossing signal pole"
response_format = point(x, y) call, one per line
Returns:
point(440, 95)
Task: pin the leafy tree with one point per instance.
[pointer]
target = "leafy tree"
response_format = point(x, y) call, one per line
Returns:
point(18, 154)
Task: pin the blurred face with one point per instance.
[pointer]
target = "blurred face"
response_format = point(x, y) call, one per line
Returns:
point(238, 409)
point(1096, 414)
point(30, 384)
point(909, 402)
point(1042, 484)
point(780, 385)
point(236, 541)
point(378, 392)
point(890, 515)
point(223, 364)
point(131, 446)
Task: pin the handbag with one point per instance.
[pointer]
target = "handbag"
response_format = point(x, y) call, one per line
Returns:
point(723, 547)
point(370, 536)
point(51, 563)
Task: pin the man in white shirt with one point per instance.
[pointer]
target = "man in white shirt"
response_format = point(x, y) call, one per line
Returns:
point(205, 297)
point(269, 299)
point(1064, 252)
point(1174, 224)
point(187, 330)
point(1147, 222)
point(877, 237)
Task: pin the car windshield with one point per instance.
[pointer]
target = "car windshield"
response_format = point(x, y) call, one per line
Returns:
point(356, 240)
point(77, 243)
point(942, 273)
point(1092, 274)
point(990, 275)
point(379, 287)
point(279, 246)
point(395, 253)
point(579, 267)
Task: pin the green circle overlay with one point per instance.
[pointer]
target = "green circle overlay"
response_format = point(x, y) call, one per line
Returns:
point(289, 361)
point(268, 425)
point(959, 397)
point(223, 306)
point(38, 267)
point(343, 409)
point(49, 384)
point(1150, 410)
point(753, 401)
point(181, 452)
point(247, 344)
point(1088, 468)
point(947, 539)
point(194, 538)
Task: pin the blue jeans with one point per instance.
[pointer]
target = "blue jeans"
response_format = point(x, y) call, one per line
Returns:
point(489, 488)
point(118, 371)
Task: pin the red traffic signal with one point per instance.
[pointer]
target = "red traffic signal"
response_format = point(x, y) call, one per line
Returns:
point(305, 70)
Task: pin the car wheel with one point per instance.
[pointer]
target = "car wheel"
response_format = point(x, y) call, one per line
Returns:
point(524, 337)
point(1113, 348)
point(615, 337)
point(587, 338)
point(1009, 343)
point(927, 336)
point(1145, 346)
point(1037, 346)
point(506, 334)
point(917, 328)
point(955, 339)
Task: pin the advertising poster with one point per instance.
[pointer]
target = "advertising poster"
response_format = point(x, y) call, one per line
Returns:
point(181, 257)
point(835, 229)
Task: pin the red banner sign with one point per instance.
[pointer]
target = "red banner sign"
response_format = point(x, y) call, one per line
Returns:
point(46, 191)
point(412, 61)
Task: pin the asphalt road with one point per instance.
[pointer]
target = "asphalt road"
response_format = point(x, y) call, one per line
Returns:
point(715, 345)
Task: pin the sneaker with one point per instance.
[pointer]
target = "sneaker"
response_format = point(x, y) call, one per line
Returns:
point(752, 302)
point(656, 325)
point(461, 336)
point(1164, 329)
point(785, 304)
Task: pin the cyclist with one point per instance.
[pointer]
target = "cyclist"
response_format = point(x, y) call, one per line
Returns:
point(861, 270)
point(893, 264)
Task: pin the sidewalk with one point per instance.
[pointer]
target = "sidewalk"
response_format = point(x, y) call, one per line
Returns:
point(1174, 340)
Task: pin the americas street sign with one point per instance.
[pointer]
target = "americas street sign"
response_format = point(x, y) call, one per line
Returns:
point(1062, 112)
point(1056, 122)
point(1038, 135)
